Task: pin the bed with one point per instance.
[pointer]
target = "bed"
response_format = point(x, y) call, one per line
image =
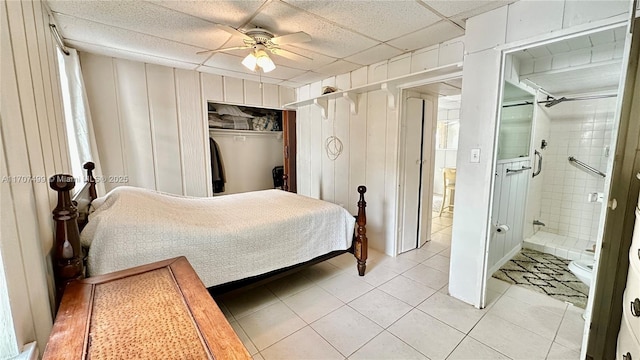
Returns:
point(230, 240)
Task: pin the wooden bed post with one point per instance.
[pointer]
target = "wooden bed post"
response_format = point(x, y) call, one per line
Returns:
point(361, 243)
point(285, 182)
point(67, 253)
point(89, 166)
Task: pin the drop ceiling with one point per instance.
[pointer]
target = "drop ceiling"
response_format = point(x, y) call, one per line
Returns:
point(581, 65)
point(346, 35)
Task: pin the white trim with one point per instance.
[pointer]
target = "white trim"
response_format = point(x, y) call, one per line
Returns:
point(29, 352)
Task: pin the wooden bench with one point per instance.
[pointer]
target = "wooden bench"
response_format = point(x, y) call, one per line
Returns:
point(156, 311)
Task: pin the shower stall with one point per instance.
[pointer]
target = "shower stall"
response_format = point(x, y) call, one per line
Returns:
point(567, 195)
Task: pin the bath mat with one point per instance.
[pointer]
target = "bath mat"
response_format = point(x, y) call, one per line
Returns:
point(544, 273)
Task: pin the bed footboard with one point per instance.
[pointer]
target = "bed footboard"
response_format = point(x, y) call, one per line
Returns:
point(360, 242)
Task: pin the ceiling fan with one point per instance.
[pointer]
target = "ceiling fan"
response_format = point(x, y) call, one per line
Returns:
point(263, 41)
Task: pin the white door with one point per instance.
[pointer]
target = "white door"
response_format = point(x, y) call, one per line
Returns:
point(417, 182)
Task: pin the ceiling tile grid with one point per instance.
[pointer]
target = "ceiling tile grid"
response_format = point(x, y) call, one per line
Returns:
point(344, 34)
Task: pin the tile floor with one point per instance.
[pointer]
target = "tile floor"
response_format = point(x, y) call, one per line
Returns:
point(399, 310)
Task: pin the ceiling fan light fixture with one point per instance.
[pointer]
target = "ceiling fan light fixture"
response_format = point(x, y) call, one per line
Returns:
point(250, 61)
point(264, 61)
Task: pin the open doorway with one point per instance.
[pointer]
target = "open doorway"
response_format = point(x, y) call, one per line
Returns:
point(428, 139)
point(558, 124)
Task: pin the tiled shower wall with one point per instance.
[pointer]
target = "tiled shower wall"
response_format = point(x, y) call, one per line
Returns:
point(581, 129)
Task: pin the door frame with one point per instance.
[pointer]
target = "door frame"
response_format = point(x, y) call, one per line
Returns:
point(289, 148)
point(598, 289)
point(400, 170)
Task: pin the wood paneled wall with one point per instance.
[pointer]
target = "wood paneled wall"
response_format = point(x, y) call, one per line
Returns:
point(150, 122)
point(369, 138)
point(34, 147)
point(509, 201)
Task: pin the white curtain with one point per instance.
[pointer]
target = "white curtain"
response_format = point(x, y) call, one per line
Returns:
point(80, 135)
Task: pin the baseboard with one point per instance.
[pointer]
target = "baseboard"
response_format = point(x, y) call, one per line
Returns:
point(504, 259)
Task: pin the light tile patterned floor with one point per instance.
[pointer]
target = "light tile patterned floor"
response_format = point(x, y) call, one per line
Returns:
point(399, 310)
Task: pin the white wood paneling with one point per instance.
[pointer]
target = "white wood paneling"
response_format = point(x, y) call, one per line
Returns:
point(33, 147)
point(192, 136)
point(213, 88)
point(270, 96)
point(164, 129)
point(316, 146)
point(327, 181)
point(399, 66)
point(342, 127)
point(375, 167)
point(252, 93)
point(424, 59)
point(358, 145)
point(161, 122)
point(133, 110)
point(100, 85)
point(529, 18)
point(508, 209)
point(486, 31)
point(233, 90)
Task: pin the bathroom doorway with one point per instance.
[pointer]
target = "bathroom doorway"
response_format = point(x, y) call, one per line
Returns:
point(551, 187)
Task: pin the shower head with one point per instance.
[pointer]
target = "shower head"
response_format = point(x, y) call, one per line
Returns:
point(553, 102)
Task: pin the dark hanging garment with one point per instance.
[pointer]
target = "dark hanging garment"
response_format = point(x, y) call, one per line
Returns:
point(217, 171)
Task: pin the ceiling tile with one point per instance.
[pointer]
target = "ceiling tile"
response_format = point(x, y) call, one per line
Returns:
point(125, 40)
point(374, 54)
point(452, 8)
point(582, 80)
point(461, 18)
point(145, 18)
point(327, 38)
point(233, 63)
point(228, 61)
point(580, 42)
point(558, 47)
point(317, 59)
point(431, 35)
point(338, 67)
point(233, 13)
point(308, 77)
point(602, 37)
point(538, 51)
point(128, 55)
point(400, 16)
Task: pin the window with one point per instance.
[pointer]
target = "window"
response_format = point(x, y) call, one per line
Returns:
point(76, 113)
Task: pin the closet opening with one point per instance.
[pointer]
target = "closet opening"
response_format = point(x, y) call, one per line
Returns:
point(251, 148)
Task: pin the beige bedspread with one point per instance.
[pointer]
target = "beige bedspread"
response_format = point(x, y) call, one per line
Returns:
point(224, 238)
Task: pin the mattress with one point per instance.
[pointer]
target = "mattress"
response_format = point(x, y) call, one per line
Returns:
point(225, 238)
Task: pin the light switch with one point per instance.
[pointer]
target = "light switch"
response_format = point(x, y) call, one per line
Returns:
point(475, 155)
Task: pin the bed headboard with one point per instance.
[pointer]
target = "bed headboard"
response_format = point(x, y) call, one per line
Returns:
point(66, 253)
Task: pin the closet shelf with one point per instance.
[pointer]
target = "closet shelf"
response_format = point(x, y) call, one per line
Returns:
point(389, 85)
point(232, 132)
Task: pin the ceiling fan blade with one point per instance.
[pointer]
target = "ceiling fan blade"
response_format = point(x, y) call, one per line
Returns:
point(289, 54)
point(225, 49)
point(235, 32)
point(296, 37)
